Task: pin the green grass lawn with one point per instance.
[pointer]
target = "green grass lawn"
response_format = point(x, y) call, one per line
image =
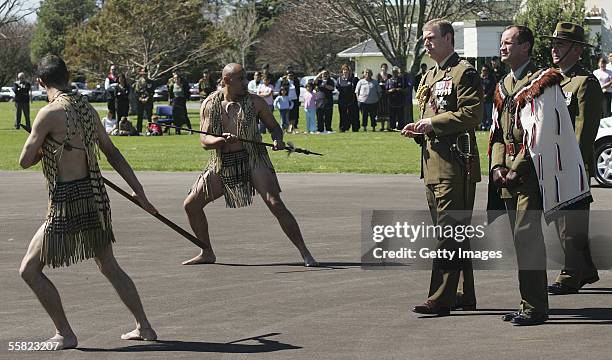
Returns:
point(371, 152)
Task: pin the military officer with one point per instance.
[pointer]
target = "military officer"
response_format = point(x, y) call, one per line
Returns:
point(583, 96)
point(145, 89)
point(512, 170)
point(451, 96)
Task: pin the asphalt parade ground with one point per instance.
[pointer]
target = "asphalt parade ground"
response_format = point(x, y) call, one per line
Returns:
point(259, 302)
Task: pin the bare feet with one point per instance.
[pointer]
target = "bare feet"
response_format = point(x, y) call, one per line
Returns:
point(203, 258)
point(146, 334)
point(63, 342)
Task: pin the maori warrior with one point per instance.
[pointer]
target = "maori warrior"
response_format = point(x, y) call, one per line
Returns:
point(236, 169)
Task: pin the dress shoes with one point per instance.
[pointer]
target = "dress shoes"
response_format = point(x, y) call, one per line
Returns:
point(432, 308)
point(524, 319)
point(561, 289)
point(461, 305)
point(509, 316)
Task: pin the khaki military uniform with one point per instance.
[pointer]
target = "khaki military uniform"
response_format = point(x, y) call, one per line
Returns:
point(451, 96)
point(583, 95)
point(523, 202)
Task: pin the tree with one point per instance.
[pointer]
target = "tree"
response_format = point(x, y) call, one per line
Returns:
point(283, 48)
point(11, 12)
point(55, 17)
point(14, 54)
point(129, 33)
point(241, 28)
point(394, 25)
point(542, 16)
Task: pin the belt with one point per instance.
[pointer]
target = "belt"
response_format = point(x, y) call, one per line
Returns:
point(513, 149)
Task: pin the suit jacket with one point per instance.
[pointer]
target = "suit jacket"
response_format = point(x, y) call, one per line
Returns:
point(453, 100)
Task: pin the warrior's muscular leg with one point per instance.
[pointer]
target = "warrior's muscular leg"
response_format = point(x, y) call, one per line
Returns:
point(265, 183)
point(31, 271)
point(127, 292)
point(194, 207)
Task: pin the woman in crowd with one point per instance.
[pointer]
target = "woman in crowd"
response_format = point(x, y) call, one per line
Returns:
point(368, 94)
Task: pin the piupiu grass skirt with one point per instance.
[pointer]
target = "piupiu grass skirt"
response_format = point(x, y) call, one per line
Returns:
point(77, 227)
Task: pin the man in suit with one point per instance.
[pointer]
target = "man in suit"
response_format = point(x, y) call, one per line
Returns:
point(583, 96)
point(451, 107)
point(23, 97)
point(512, 170)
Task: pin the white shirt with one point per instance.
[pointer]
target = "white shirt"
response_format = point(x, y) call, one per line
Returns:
point(109, 124)
point(604, 76)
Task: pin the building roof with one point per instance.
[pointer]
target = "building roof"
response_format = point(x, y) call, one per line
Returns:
point(369, 47)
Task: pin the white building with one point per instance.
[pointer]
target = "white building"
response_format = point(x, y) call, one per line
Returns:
point(478, 40)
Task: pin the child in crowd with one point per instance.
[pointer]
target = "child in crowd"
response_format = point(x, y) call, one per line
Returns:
point(110, 123)
point(154, 129)
point(126, 128)
point(283, 104)
point(310, 107)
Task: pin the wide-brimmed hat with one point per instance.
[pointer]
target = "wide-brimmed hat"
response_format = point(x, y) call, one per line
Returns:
point(570, 32)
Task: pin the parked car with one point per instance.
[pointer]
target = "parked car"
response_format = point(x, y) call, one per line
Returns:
point(161, 93)
point(7, 94)
point(603, 153)
point(310, 79)
point(194, 92)
point(39, 95)
point(82, 89)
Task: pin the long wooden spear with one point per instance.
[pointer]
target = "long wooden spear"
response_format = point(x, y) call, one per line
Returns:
point(158, 216)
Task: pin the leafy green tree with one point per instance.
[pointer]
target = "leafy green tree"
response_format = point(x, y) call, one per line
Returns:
point(542, 16)
point(156, 34)
point(54, 19)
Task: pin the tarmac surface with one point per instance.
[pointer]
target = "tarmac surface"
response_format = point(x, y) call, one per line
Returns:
point(258, 302)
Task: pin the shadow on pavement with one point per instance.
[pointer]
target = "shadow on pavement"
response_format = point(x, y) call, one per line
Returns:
point(233, 347)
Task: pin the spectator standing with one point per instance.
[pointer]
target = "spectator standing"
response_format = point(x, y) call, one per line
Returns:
point(109, 85)
point(178, 94)
point(419, 76)
point(23, 97)
point(347, 101)
point(497, 69)
point(254, 84)
point(122, 97)
point(396, 88)
point(310, 107)
point(144, 89)
point(266, 91)
point(206, 85)
point(368, 93)
point(407, 108)
point(487, 80)
point(326, 86)
point(283, 104)
point(292, 84)
point(605, 80)
point(609, 65)
point(383, 102)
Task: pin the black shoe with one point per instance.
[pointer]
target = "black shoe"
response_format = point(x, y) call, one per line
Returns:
point(524, 319)
point(561, 289)
point(461, 305)
point(510, 316)
point(590, 280)
point(432, 308)
point(464, 307)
